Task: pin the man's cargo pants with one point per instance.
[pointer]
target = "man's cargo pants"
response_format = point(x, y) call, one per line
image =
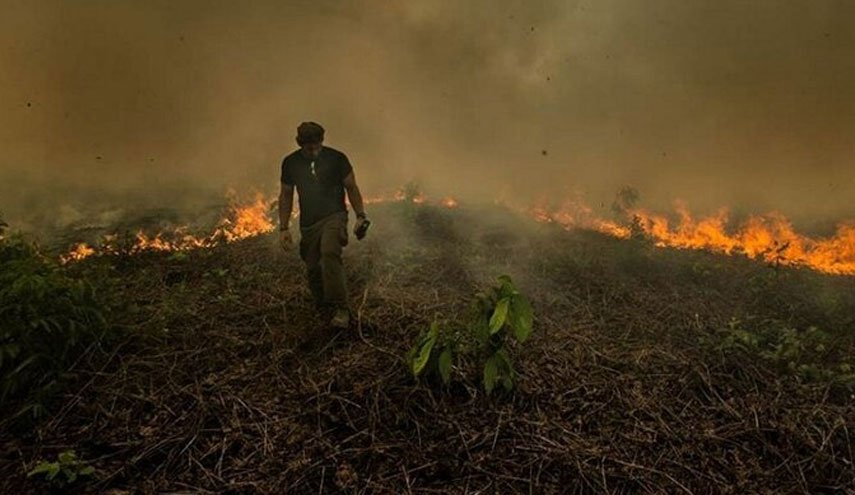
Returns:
point(321, 248)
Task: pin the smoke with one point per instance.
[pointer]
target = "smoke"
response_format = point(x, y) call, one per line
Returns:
point(747, 104)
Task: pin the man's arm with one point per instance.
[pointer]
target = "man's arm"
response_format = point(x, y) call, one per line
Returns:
point(354, 196)
point(286, 205)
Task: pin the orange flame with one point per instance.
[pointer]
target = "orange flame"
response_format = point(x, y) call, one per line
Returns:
point(242, 221)
point(449, 202)
point(574, 214)
point(246, 221)
point(771, 238)
point(78, 252)
point(401, 196)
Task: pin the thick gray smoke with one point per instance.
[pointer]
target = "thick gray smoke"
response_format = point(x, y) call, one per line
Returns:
point(743, 103)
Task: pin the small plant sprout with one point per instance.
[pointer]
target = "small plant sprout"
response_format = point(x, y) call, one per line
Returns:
point(64, 471)
point(500, 314)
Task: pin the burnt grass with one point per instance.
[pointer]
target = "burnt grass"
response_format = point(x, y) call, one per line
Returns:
point(635, 379)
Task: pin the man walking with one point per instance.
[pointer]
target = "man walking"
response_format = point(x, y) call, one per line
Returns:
point(321, 175)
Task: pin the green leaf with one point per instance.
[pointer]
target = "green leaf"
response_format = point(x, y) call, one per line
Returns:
point(434, 329)
point(506, 371)
point(67, 457)
point(53, 471)
point(87, 471)
point(491, 374)
point(44, 467)
point(414, 350)
point(444, 365)
point(507, 288)
point(500, 315)
point(522, 317)
point(424, 354)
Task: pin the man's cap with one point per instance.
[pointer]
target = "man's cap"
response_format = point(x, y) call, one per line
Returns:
point(309, 132)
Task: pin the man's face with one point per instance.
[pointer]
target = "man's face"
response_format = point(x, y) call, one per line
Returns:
point(312, 150)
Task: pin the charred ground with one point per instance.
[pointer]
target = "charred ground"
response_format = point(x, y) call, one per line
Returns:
point(649, 370)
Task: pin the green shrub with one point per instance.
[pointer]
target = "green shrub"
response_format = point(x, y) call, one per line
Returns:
point(47, 319)
point(67, 465)
point(499, 315)
point(806, 353)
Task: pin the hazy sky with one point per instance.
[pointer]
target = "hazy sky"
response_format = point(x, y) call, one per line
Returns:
point(744, 103)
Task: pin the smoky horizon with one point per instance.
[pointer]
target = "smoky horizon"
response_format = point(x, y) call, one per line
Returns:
point(743, 105)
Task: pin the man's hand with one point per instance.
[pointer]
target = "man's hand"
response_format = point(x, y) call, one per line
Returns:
point(361, 227)
point(285, 239)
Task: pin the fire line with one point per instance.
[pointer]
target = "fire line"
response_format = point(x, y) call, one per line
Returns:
point(770, 238)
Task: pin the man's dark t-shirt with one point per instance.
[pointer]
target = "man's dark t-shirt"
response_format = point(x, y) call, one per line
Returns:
point(319, 182)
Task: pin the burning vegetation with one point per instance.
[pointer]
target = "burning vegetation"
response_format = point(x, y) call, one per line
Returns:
point(242, 220)
point(769, 238)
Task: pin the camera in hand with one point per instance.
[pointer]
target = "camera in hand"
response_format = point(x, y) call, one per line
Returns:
point(363, 228)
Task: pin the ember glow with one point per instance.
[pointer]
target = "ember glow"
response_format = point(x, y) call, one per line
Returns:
point(770, 238)
point(243, 220)
point(400, 196)
point(577, 215)
point(78, 252)
point(449, 202)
